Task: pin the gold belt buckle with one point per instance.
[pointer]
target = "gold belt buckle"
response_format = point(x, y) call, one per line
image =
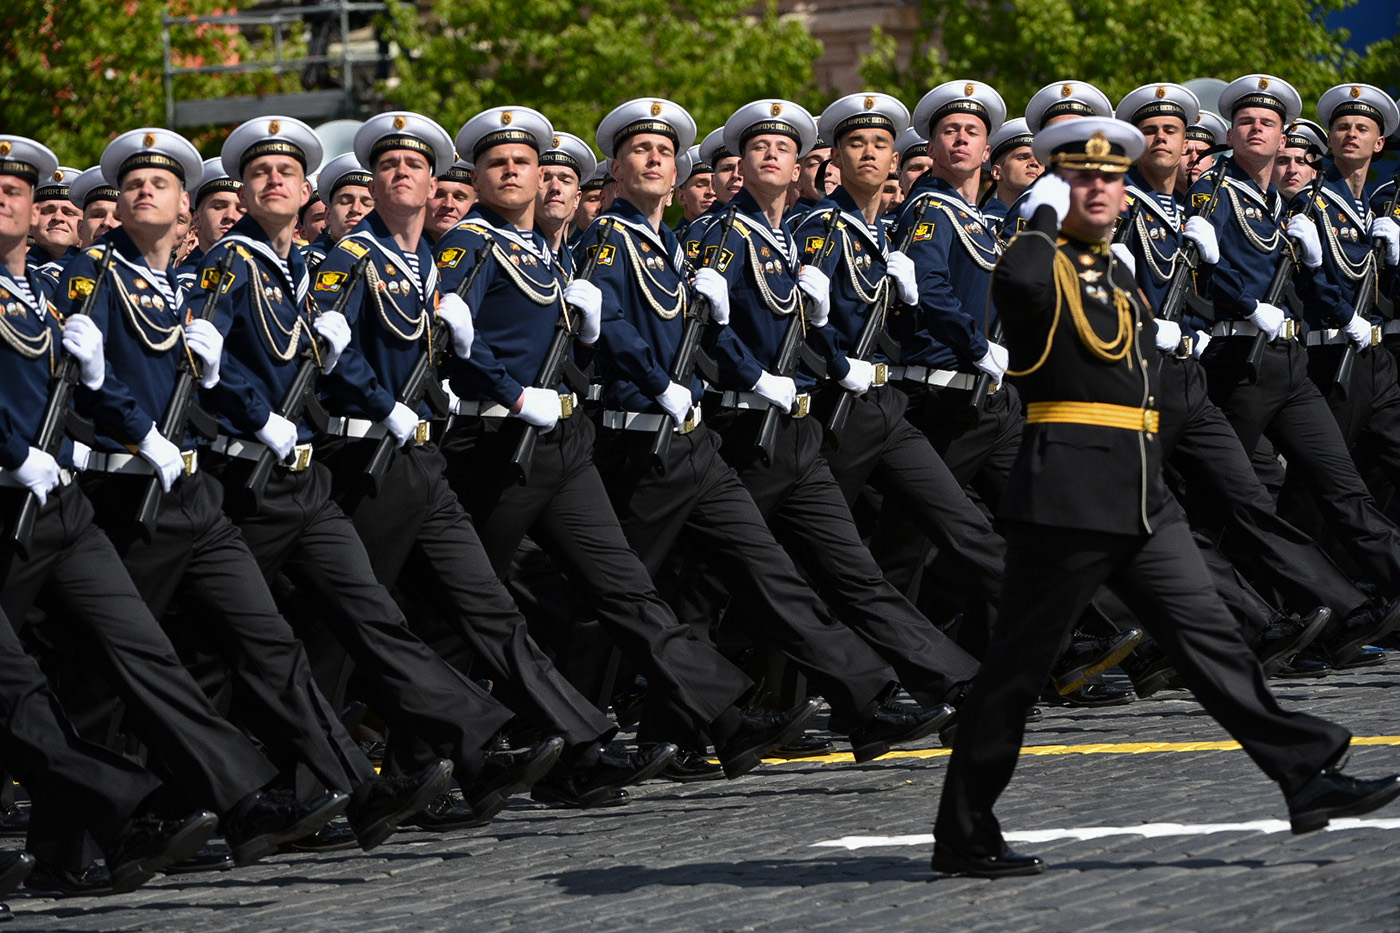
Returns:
point(566, 405)
point(1375, 335)
point(420, 433)
point(803, 404)
point(302, 458)
point(1183, 349)
point(191, 459)
point(882, 374)
point(689, 424)
point(1290, 329)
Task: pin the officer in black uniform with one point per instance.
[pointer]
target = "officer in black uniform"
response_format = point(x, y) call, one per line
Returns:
point(1086, 505)
point(516, 303)
point(71, 572)
point(293, 526)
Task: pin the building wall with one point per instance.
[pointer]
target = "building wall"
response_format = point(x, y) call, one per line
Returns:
point(844, 26)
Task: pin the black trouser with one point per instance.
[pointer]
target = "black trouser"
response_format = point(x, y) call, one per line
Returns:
point(565, 509)
point(415, 517)
point(75, 575)
point(73, 785)
point(880, 447)
point(977, 449)
point(701, 496)
point(1198, 441)
point(1285, 406)
point(1050, 575)
point(1369, 410)
point(301, 532)
point(197, 556)
point(798, 497)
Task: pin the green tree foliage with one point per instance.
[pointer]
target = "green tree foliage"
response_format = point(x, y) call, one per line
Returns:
point(575, 62)
point(1019, 46)
point(78, 72)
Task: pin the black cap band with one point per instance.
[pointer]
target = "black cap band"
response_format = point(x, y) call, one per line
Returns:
point(961, 105)
point(1200, 134)
point(401, 141)
point(149, 159)
point(769, 128)
point(29, 173)
point(268, 147)
point(1069, 105)
point(215, 186)
point(51, 192)
point(358, 179)
point(867, 120)
point(458, 174)
point(1012, 142)
point(501, 137)
point(1357, 108)
point(660, 127)
point(1160, 108)
point(100, 193)
point(699, 168)
point(1260, 99)
point(560, 157)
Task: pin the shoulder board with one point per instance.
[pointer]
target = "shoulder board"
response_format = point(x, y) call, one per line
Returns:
point(472, 226)
point(740, 226)
point(94, 252)
point(242, 251)
point(353, 248)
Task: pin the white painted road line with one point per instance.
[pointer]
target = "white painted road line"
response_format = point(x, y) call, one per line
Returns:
point(1149, 830)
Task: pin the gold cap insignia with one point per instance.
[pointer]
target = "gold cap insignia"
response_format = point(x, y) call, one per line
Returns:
point(4, 147)
point(656, 108)
point(58, 175)
point(148, 140)
point(1098, 146)
point(1263, 84)
point(1355, 91)
point(399, 122)
point(775, 109)
point(274, 126)
point(1161, 92)
point(869, 103)
point(555, 143)
point(968, 88)
point(1067, 90)
point(506, 118)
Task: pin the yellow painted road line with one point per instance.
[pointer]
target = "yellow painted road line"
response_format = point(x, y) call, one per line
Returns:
point(1103, 748)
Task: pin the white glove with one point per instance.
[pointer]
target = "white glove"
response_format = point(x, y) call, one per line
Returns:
point(1199, 231)
point(157, 450)
point(401, 422)
point(1168, 335)
point(712, 286)
point(453, 312)
point(83, 339)
point(1268, 318)
point(901, 268)
point(861, 375)
point(336, 329)
point(205, 342)
point(778, 391)
point(1359, 331)
point(1304, 232)
point(995, 361)
point(1388, 230)
point(817, 287)
point(676, 399)
point(39, 472)
point(1048, 189)
point(1198, 346)
point(540, 407)
point(279, 434)
point(1125, 256)
point(586, 297)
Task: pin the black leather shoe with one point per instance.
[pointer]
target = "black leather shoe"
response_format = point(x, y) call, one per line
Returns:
point(378, 806)
point(627, 706)
point(804, 746)
point(1285, 637)
point(689, 767)
point(1149, 670)
point(1092, 696)
point(1006, 865)
point(1364, 626)
point(1333, 794)
point(760, 731)
point(447, 813)
point(1368, 656)
point(1303, 665)
point(14, 822)
point(333, 837)
point(92, 881)
point(209, 858)
point(1089, 655)
point(14, 868)
point(6, 915)
point(506, 774)
point(892, 725)
point(264, 821)
point(149, 844)
point(584, 789)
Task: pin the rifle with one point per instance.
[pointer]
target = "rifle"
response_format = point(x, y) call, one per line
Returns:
point(57, 412)
point(1278, 285)
point(300, 397)
point(422, 381)
point(683, 366)
point(1180, 283)
point(552, 369)
point(790, 349)
point(177, 412)
point(1362, 301)
point(870, 333)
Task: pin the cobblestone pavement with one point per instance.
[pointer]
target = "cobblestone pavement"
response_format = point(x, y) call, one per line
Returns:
point(743, 855)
